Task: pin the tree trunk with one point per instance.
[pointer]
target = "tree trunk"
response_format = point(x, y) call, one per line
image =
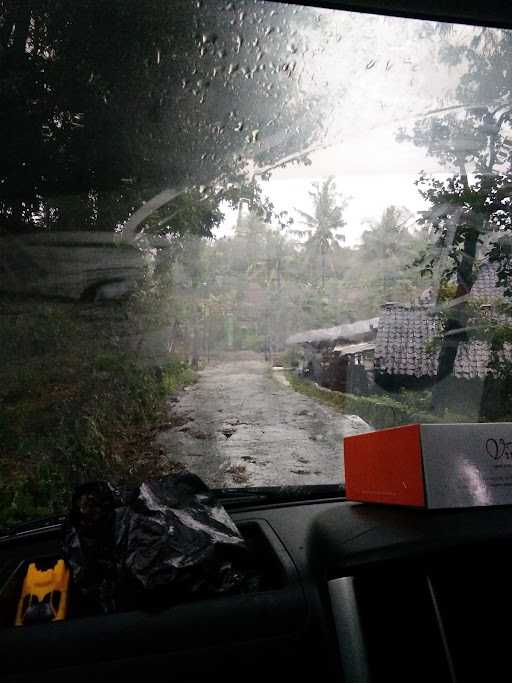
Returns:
point(195, 349)
point(456, 323)
point(196, 340)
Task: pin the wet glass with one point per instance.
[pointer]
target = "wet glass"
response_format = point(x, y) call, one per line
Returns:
point(234, 233)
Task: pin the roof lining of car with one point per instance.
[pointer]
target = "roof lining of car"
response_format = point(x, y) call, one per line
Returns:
point(495, 13)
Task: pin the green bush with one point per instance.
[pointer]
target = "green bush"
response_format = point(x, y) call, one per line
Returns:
point(73, 408)
point(379, 411)
point(416, 401)
point(291, 357)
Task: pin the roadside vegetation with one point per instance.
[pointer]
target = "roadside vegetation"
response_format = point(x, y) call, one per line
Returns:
point(75, 407)
point(379, 411)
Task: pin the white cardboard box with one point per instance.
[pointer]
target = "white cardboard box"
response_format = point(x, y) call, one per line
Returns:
point(432, 465)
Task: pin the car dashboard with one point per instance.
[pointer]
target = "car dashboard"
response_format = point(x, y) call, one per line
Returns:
point(354, 592)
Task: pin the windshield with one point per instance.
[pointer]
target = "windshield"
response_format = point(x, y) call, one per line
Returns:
point(233, 233)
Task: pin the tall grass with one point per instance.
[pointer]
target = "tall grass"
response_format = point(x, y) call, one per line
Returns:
point(74, 406)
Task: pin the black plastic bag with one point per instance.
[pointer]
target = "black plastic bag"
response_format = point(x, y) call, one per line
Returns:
point(166, 541)
point(89, 544)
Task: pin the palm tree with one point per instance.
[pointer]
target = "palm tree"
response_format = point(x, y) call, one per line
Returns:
point(388, 237)
point(323, 228)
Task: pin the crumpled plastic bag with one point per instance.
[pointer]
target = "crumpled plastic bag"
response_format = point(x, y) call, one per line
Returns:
point(166, 541)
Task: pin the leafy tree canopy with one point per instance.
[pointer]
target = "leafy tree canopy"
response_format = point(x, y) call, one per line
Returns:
point(323, 228)
point(107, 103)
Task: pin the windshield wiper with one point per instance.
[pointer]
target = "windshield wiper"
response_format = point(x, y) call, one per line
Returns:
point(261, 495)
point(37, 526)
point(231, 499)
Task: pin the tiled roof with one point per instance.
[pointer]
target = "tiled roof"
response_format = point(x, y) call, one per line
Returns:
point(403, 338)
point(405, 334)
point(472, 359)
point(485, 289)
point(486, 285)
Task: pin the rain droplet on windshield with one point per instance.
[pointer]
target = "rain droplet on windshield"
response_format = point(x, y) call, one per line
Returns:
point(209, 38)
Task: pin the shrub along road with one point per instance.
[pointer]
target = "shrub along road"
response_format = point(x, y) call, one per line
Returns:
point(239, 426)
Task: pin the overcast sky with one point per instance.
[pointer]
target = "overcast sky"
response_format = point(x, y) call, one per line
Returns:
point(372, 75)
point(369, 187)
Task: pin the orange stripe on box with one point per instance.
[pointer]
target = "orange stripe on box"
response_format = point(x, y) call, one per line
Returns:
point(385, 466)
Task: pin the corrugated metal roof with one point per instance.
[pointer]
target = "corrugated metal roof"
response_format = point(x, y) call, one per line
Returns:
point(348, 332)
point(354, 348)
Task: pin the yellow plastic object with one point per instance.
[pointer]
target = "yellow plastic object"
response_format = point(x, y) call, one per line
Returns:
point(44, 597)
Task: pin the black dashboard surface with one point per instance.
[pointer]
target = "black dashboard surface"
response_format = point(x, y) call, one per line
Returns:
point(365, 593)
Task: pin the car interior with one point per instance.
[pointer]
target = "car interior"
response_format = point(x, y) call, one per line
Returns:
point(350, 592)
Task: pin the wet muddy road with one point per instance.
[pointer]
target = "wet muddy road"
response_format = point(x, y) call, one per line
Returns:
point(240, 426)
